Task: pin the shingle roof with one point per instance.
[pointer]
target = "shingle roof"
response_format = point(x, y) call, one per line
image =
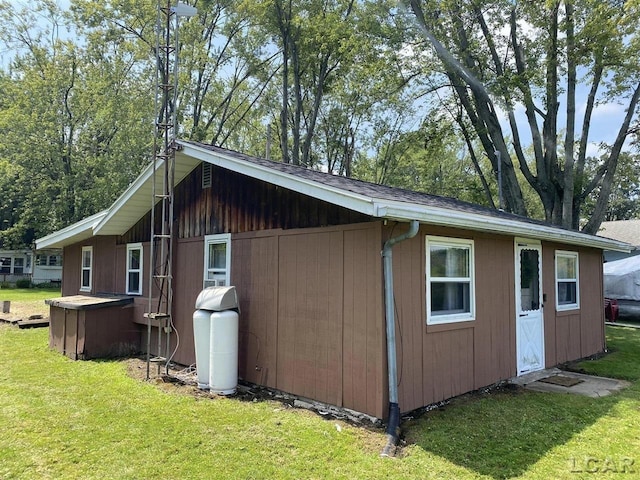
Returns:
point(627, 231)
point(374, 190)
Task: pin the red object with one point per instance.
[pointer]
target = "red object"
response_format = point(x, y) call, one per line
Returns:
point(611, 309)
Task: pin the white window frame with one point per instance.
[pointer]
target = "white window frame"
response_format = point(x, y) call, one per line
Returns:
point(453, 317)
point(13, 269)
point(83, 287)
point(130, 248)
point(576, 259)
point(10, 258)
point(223, 238)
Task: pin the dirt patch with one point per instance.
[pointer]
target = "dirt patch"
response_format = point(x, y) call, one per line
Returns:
point(22, 310)
point(184, 380)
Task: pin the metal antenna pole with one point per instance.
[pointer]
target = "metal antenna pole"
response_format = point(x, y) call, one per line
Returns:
point(161, 243)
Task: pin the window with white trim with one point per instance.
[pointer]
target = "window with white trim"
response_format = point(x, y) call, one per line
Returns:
point(5, 265)
point(567, 283)
point(134, 269)
point(18, 265)
point(86, 269)
point(450, 280)
point(217, 260)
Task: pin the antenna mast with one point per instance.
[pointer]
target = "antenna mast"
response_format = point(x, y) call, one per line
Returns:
point(160, 288)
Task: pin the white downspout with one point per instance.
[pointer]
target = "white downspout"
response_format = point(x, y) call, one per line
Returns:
point(393, 425)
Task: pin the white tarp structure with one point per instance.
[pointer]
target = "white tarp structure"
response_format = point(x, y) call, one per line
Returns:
point(622, 279)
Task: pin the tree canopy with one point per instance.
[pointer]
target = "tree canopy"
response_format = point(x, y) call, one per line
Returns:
point(429, 97)
point(556, 61)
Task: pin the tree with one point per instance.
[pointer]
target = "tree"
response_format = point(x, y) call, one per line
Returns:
point(500, 55)
point(74, 125)
point(624, 202)
point(322, 46)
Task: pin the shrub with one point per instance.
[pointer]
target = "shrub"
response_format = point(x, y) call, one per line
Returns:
point(47, 285)
point(5, 285)
point(23, 283)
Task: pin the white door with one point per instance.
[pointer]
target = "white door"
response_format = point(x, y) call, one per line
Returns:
point(529, 315)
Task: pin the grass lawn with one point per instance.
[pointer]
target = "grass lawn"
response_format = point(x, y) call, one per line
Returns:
point(66, 419)
point(29, 300)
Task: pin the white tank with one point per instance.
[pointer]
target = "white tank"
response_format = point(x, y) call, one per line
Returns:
point(202, 340)
point(223, 360)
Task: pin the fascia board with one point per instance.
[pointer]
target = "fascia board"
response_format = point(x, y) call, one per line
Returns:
point(327, 193)
point(76, 232)
point(137, 184)
point(470, 221)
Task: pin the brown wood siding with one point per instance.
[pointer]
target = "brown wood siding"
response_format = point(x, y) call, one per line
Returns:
point(71, 269)
point(235, 204)
point(591, 302)
point(309, 349)
point(104, 271)
point(364, 347)
point(573, 334)
point(254, 270)
point(494, 332)
point(311, 317)
point(441, 361)
point(187, 284)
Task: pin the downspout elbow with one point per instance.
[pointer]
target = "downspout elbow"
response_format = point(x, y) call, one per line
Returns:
point(393, 424)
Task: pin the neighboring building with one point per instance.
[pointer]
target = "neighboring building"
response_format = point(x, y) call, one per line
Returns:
point(15, 265)
point(627, 231)
point(48, 266)
point(479, 295)
point(19, 265)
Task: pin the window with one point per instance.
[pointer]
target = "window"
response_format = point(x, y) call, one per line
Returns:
point(134, 269)
point(44, 260)
point(450, 280)
point(5, 265)
point(18, 265)
point(567, 288)
point(217, 260)
point(86, 269)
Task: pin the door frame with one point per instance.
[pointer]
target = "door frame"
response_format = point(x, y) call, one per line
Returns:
point(530, 244)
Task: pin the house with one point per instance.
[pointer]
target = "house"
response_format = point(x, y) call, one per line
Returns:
point(476, 295)
point(19, 265)
point(48, 266)
point(15, 265)
point(627, 231)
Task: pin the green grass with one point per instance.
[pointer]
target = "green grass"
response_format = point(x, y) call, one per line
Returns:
point(66, 419)
point(28, 294)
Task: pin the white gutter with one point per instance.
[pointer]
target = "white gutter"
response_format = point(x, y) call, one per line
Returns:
point(473, 221)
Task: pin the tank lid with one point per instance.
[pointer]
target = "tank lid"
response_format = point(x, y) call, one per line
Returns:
point(217, 299)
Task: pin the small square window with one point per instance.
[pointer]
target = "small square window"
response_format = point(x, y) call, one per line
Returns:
point(217, 260)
